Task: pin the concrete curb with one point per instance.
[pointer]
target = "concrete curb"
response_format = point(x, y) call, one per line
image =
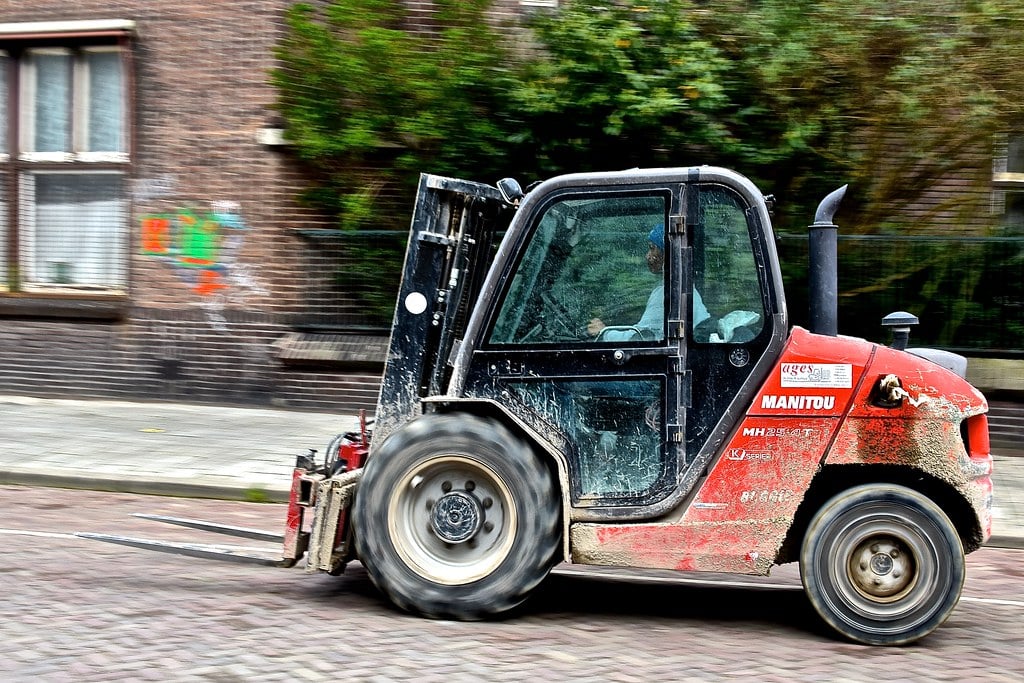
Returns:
point(1001, 541)
point(149, 487)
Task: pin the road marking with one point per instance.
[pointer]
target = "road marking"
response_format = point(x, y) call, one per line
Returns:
point(73, 537)
point(993, 601)
point(41, 534)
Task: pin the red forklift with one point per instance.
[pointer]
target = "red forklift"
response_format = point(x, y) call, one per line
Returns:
point(601, 370)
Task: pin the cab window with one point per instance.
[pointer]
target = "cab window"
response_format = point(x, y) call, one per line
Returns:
point(586, 262)
point(725, 272)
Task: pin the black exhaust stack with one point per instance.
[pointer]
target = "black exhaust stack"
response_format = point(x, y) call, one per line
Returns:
point(824, 266)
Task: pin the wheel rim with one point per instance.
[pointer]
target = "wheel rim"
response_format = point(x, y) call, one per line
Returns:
point(882, 568)
point(884, 572)
point(452, 519)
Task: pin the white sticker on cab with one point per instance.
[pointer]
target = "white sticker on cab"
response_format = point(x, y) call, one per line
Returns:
point(817, 375)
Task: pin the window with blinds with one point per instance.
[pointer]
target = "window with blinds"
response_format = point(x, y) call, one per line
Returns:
point(64, 150)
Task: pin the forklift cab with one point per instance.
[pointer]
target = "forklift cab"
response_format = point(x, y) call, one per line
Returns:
point(634, 414)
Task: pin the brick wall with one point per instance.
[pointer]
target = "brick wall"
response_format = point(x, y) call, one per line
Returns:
point(201, 96)
point(162, 356)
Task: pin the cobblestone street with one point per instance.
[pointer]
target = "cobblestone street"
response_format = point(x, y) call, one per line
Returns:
point(75, 609)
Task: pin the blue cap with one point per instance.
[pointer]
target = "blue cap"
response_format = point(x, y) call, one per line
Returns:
point(657, 236)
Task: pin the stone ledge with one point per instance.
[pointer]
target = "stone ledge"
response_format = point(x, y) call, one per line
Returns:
point(304, 348)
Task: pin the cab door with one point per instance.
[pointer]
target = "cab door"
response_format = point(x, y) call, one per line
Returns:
point(586, 342)
point(732, 347)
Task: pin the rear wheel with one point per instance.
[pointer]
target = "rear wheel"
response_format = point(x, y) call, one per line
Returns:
point(456, 517)
point(882, 564)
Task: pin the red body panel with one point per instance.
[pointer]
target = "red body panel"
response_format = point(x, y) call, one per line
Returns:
point(813, 408)
point(354, 454)
point(293, 521)
point(924, 430)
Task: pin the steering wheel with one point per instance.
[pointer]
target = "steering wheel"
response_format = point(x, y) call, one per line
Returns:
point(562, 317)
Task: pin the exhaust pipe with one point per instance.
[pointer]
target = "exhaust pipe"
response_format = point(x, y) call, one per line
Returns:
point(823, 261)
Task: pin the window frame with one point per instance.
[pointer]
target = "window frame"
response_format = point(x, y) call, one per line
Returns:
point(31, 282)
point(19, 42)
point(1004, 181)
point(6, 66)
point(78, 101)
point(83, 111)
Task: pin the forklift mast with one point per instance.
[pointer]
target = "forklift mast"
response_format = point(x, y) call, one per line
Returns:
point(452, 240)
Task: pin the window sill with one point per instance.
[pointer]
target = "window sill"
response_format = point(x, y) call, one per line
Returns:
point(1008, 181)
point(318, 350)
point(91, 306)
point(74, 157)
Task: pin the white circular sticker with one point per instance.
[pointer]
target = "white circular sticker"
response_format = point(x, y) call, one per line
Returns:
point(415, 303)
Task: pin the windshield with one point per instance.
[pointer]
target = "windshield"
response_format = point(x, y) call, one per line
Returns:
point(586, 260)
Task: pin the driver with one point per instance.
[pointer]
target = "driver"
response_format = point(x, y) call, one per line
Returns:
point(652, 322)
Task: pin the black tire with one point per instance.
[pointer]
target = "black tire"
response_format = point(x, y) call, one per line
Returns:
point(882, 564)
point(456, 518)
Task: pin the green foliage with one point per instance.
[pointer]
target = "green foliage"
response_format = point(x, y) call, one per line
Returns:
point(255, 494)
point(371, 105)
point(893, 98)
point(801, 95)
point(616, 86)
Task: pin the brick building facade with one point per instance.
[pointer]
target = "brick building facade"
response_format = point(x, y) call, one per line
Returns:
point(151, 240)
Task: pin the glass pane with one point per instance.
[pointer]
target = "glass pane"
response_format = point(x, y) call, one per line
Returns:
point(3, 236)
point(105, 102)
point(4, 103)
point(612, 430)
point(586, 274)
point(1014, 218)
point(80, 230)
point(727, 304)
point(1015, 154)
point(52, 103)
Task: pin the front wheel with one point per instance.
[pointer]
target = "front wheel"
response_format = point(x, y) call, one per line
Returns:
point(882, 564)
point(456, 517)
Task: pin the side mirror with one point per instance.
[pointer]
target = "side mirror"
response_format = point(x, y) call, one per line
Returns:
point(510, 191)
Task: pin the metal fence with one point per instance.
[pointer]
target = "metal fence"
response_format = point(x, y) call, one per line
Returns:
point(967, 291)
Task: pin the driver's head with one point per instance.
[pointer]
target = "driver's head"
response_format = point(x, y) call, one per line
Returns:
point(657, 236)
point(656, 249)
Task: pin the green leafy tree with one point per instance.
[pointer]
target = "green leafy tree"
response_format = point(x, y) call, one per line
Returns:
point(370, 105)
point(904, 101)
point(891, 97)
point(900, 100)
point(617, 84)
point(897, 99)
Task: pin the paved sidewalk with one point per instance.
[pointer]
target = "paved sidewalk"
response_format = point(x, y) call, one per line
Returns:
point(236, 453)
point(177, 449)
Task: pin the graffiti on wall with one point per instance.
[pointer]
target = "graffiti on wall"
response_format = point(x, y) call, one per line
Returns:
point(202, 245)
point(203, 248)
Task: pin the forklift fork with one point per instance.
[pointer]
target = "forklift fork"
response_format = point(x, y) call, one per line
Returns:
point(206, 551)
point(328, 489)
